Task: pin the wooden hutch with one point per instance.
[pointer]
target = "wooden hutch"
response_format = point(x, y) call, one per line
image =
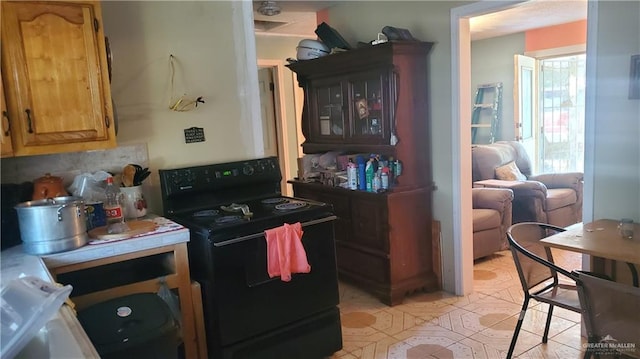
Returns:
point(383, 240)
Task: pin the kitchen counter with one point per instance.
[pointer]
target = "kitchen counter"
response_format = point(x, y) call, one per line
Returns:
point(166, 233)
point(65, 336)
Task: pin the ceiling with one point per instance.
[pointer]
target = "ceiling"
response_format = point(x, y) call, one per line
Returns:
point(298, 18)
point(526, 16)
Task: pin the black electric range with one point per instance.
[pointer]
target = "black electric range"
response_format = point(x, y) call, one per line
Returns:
point(248, 314)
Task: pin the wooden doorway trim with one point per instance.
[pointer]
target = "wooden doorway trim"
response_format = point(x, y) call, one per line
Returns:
point(284, 157)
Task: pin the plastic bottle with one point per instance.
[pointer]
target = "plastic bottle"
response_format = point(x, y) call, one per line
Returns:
point(374, 161)
point(393, 140)
point(362, 181)
point(384, 178)
point(376, 184)
point(352, 175)
point(369, 176)
point(113, 209)
point(398, 168)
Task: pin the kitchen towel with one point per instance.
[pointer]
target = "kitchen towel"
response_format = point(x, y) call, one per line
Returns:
point(285, 252)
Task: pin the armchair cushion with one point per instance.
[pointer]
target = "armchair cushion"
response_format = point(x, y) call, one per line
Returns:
point(560, 197)
point(510, 172)
point(486, 158)
point(484, 219)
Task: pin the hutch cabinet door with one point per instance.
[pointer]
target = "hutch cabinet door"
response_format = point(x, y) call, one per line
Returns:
point(54, 61)
point(369, 108)
point(328, 120)
point(369, 222)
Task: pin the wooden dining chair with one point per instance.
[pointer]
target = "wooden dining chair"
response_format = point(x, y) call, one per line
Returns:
point(611, 314)
point(539, 274)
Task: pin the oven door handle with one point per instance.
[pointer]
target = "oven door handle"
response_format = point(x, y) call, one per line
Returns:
point(258, 235)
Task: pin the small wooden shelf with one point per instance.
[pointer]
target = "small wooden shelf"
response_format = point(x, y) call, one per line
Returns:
point(168, 248)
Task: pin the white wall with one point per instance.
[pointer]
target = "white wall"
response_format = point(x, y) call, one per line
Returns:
point(491, 62)
point(617, 118)
point(210, 46)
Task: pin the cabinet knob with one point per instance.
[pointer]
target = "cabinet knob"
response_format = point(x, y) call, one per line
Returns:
point(5, 115)
point(28, 112)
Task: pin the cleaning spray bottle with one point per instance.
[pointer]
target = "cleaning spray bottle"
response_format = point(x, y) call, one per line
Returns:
point(352, 175)
point(369, 175)
point(362, 182)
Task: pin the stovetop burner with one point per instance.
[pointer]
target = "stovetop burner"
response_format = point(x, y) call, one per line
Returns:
point(290, 206)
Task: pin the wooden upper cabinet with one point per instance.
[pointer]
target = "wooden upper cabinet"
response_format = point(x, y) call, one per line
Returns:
point(373, 99)
point(5, 136)
point(56, 75)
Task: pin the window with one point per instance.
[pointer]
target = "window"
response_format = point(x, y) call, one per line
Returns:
point(562, 93)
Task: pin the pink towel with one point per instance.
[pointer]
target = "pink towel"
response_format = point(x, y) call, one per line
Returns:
point(285, 253)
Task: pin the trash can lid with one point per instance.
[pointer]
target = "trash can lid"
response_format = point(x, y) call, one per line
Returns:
point(127, 320)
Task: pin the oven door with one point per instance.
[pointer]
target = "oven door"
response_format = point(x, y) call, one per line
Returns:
point(243, 300)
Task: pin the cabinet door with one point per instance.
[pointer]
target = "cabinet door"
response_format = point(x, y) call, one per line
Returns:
point(327, 120)
point(54, 58)
point(5, 139)
point(368, 107)
point(369, 221)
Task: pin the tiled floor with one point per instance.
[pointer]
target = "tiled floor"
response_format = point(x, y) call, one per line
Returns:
point(441, 325)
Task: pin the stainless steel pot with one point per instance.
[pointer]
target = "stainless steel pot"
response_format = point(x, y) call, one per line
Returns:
point(52, 225)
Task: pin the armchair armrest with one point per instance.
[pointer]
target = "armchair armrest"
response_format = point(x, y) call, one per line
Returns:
point(492, 198)
point(520, 188)
point(560, 180)
point(530, 189)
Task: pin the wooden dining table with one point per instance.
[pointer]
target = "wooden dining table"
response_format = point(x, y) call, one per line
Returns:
point(601, 240)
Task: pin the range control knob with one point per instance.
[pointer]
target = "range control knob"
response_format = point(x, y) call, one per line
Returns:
point(247, 170)
point(176, 178)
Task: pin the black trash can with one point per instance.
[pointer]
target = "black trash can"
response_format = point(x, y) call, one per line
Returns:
point(133, 326)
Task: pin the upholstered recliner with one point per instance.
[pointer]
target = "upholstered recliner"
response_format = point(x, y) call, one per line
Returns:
point(491, 218)
point(554, 198)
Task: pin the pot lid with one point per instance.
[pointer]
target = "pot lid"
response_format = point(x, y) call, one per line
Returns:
point(48, 178)
point(53, 202)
